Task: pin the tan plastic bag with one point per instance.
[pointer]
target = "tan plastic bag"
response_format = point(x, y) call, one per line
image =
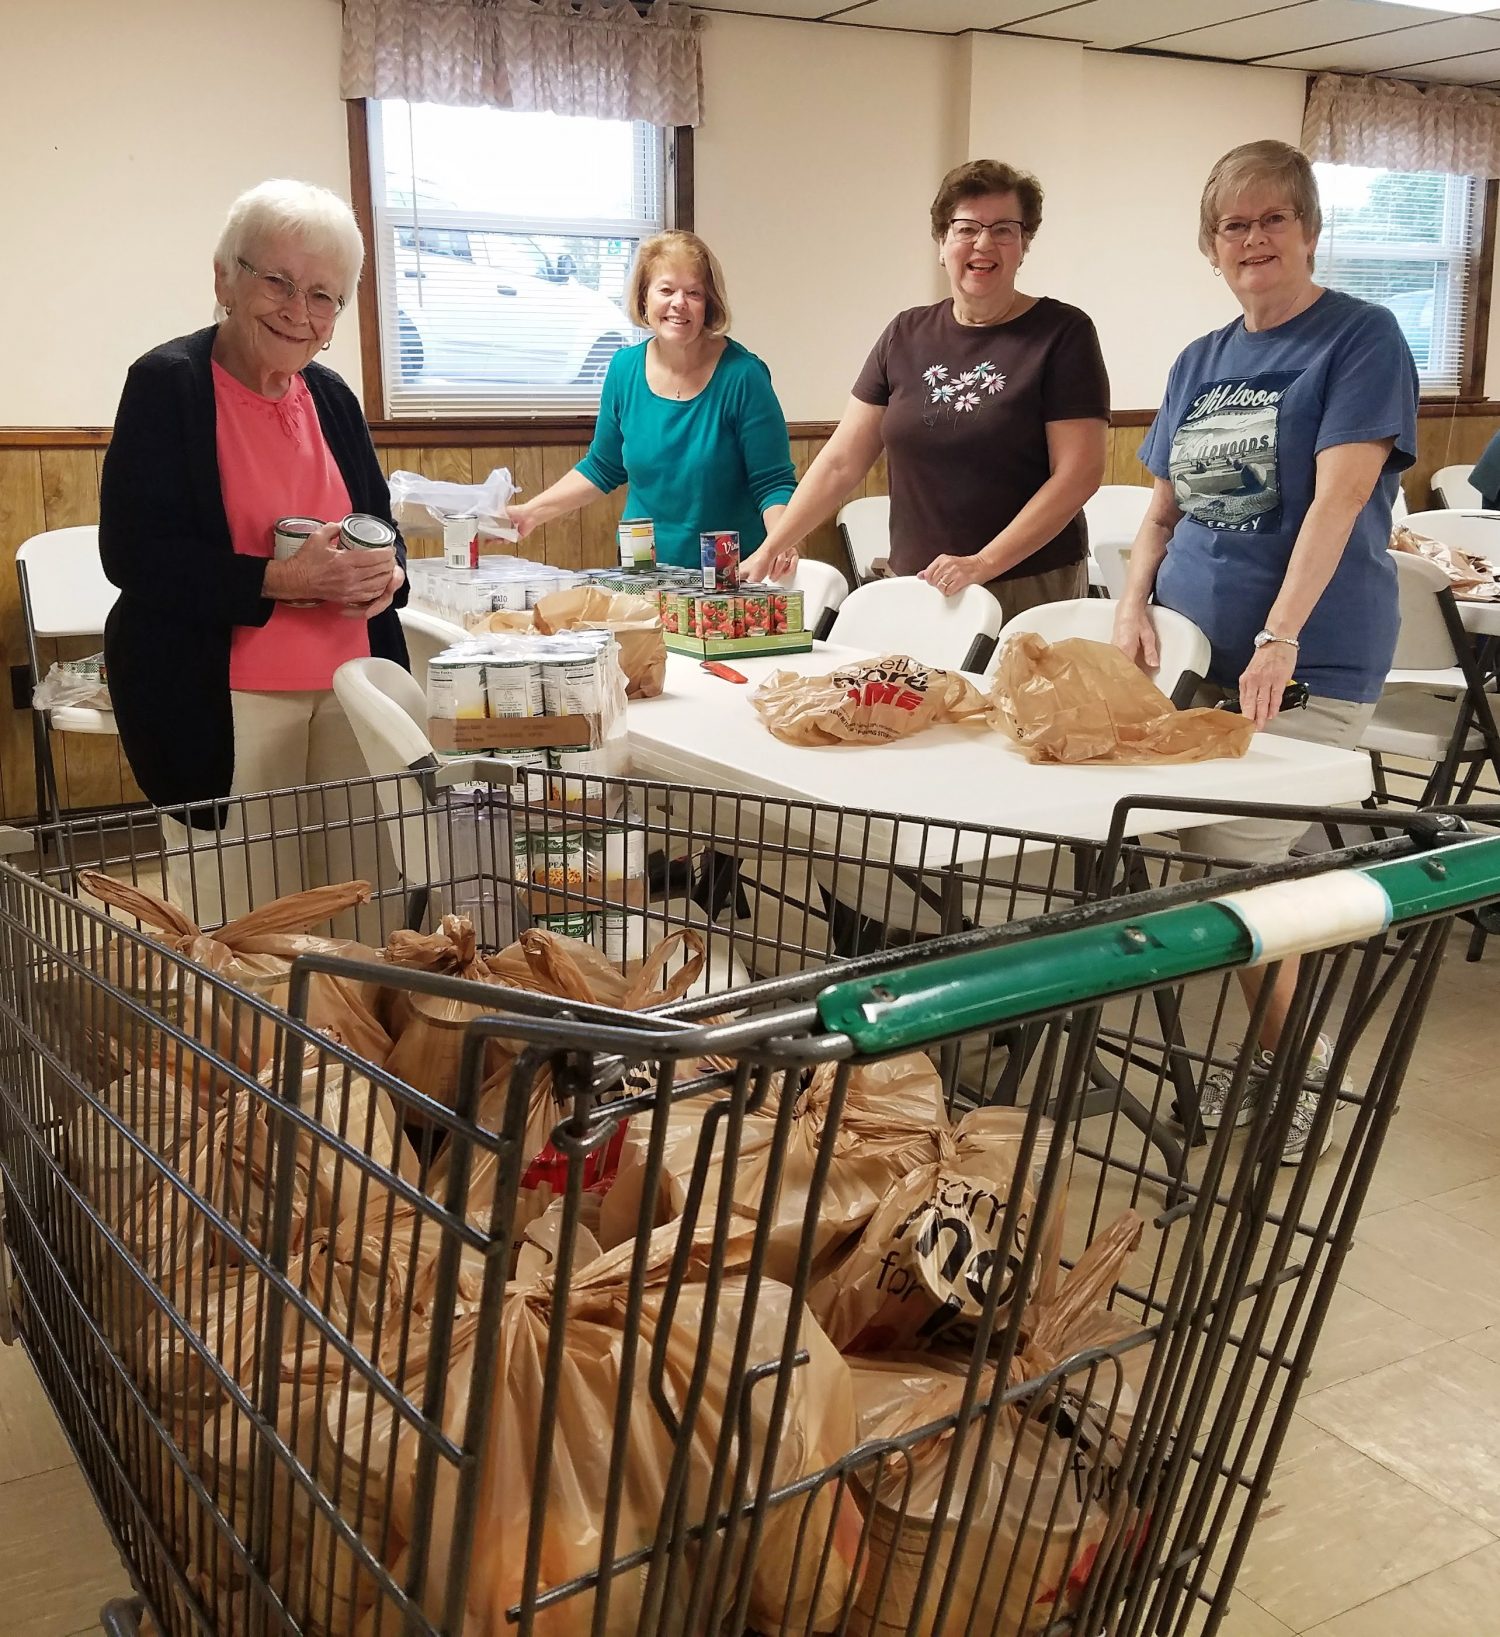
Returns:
point(893, 1111)
point(918, 1274)
point(868, 702)
point(1081, 701)
point(1049, 1501)
point(635, 622)
point(819, 1427)
point(254, 953)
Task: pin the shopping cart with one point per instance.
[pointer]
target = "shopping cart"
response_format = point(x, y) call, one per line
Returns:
point(341, 1357)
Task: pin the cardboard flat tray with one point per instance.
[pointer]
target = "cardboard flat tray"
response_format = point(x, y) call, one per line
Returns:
point(784, 642)
point(509, 732)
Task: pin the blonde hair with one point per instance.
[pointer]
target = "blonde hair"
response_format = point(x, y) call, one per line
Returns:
point(1259, 164)
point(689, 250)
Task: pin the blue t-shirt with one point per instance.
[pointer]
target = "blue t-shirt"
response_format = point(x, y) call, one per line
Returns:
point(708, 463)
point(1244, 417)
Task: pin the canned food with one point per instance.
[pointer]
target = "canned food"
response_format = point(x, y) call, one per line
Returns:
point(361, 532)
point(719, 554)
point(556, 859)
point(786, 610)
point(579, 926)
point(456, 689)
point(565, 767)
point(670, 605)
point(616, 852)
point(461, 540)
point(716, 614)
point(637, 537)
point(622, 936)
point(570, 681)
point(513, 687)
point(755, 612)
point(289, 535)
point(508, 593)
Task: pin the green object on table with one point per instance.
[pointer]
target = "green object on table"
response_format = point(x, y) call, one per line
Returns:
point(931, 1000)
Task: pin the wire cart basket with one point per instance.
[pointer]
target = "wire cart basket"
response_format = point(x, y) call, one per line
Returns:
point(805, 1228)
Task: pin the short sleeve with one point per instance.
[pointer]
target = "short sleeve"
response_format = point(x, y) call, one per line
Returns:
point(1075, 384)
point(604, 464)
point(1372, 389)
point(873, 384)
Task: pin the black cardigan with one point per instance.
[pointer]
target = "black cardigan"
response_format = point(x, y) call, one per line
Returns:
point(164, 540)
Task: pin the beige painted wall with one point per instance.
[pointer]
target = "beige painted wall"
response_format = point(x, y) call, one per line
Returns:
point(125, 131)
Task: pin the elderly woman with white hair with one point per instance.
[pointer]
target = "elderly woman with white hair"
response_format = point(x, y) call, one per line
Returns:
point(220, 657)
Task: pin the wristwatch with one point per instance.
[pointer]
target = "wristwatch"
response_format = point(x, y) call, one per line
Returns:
point(1263, 637)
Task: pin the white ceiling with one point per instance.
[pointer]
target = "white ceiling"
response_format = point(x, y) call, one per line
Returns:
point(1356, 36)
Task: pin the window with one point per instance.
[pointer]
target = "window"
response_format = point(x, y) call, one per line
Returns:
point(502, 246)
point(1409, 240)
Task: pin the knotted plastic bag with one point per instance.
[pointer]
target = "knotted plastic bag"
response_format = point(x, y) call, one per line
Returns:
point(1081, 701)
point(918, 1275)
point(868, 702)
point(1049, 1497)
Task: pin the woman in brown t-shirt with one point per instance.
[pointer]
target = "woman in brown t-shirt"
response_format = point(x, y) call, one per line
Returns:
point(992, 408)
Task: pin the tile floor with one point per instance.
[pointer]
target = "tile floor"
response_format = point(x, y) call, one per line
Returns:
point(1384, 1518)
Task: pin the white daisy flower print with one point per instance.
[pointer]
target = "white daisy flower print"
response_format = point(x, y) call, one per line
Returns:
point(935, 373)
point(966, 401)
point(993, 384)
point(941, 395)
point(984, 368)
point(968, 378)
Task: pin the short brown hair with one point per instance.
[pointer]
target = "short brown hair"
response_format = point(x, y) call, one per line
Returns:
point(1259, 164)
point(690, 250)
point(981, 176)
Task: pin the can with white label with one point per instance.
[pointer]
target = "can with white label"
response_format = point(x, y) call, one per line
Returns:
point(579, 926)
point(507, 593)
point(513, 686)
point(361, 532)
point(288, 537)
point(456, 689)
point(549, 858)
point(621, 936)
point(637, 537)
point(617, 852)
point(570, 680)
point(461, 540)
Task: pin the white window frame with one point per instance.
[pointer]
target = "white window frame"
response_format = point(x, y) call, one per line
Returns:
point(653, 179)
point(1462, 251)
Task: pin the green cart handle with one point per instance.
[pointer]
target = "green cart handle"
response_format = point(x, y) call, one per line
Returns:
point(931, 1001)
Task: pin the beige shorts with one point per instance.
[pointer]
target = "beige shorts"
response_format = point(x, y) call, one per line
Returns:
point(1339, 723)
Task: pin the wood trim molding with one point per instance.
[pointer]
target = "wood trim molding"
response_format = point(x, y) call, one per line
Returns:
point(1477, 352)
point(544, 434)
point(367, 299)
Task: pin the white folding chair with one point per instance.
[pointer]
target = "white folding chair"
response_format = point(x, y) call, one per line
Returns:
point(1113, 515)
point(1451, 486)
point(427, 635)
point(1182, 649)
point(1469, 529)
point(1434, 708)
point(907, 616)
point(865, 528)
point(823, 589)
point(1400, 511)
point(63, 594)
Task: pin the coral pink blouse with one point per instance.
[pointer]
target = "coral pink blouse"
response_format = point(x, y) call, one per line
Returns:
point(274, 462)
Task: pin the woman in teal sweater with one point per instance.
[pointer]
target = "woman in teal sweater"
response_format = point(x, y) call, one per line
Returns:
point(689, 418)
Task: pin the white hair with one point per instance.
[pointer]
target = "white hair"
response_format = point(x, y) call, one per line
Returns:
point(319, 220)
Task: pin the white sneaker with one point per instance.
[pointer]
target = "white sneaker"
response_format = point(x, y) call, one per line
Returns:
point(1217, 1085)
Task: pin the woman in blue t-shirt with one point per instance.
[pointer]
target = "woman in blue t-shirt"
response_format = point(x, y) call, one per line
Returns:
point(1277, 455)
point(689, 418)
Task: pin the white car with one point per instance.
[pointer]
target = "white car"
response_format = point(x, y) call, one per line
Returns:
point(496, 307)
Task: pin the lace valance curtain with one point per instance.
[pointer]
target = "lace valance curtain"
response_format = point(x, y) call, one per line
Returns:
point(1362, 120)
point(610, 59)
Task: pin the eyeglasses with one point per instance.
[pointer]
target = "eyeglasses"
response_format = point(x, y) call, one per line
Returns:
point(967, 231)
point(320, 304)
point(1239, 227)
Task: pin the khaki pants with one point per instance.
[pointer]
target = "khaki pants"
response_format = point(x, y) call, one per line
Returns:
point(1336, 722)
point(1056, 585)
point(279, 844)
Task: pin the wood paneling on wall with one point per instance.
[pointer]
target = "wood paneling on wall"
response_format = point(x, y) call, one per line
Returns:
point(54, 482)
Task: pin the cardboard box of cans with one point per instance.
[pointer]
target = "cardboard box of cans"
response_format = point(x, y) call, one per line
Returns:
point(751, 612)
point(557, 694)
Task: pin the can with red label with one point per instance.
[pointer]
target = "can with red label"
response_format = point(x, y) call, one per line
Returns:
point(719, 554)
point(755, 611)
point(717, 615)
point(786, 611)
point(670, 604)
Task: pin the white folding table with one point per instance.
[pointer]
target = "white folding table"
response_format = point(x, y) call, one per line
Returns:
point(704, 731)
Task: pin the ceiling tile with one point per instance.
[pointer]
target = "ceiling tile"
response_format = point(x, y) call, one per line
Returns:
point(1478, 68)
point(1109, 24)
point(800, 10)
point(1301, 27)
point(1448, 37)
point(936, 16)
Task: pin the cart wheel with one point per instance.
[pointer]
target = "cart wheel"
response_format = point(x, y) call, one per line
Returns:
point(123, 1617)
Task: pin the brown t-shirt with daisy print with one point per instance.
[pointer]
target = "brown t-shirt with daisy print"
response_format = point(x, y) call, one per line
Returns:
point(965, 428)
